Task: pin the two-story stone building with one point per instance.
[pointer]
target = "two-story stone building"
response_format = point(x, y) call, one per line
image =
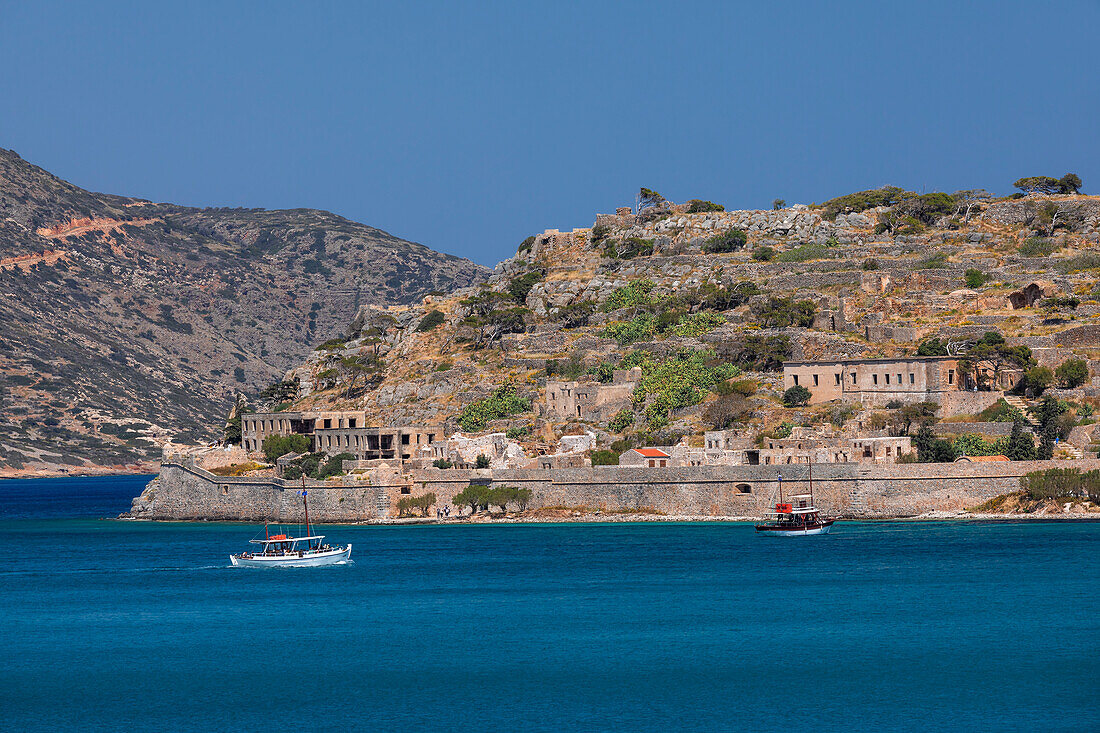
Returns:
point(338, 432)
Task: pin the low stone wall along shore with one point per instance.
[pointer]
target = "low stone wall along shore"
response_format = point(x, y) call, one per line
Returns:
point(184, 491)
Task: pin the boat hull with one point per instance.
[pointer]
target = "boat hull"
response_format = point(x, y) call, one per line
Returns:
point(822, 528)
point(292, 561)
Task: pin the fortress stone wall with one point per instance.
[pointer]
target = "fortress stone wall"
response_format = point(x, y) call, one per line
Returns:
point(183, 491)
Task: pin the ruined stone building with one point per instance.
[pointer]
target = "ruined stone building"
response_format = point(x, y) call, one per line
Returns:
point(592, 401)
point(338, 432)
point(803, 445)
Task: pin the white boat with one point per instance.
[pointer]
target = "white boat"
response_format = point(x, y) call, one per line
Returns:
point(284, 551)
point(796, 517)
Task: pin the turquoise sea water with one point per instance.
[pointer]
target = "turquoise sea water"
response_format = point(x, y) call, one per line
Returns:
point(643, 627)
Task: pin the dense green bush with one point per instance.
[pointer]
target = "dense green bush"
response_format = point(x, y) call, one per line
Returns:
point(1069, 183)
point(518, 432)
point(604, 458)
point(520, 285)
point(502, 403)
point(1072, 373)
point(629, 248)
point(1038, 247)
point(763, 353)
point(807, 252)
point(1081, 263)
point(763, 253)
point(526, 245)
point(932, 347)
point(698, 206)
point(406, 504)
point(631, 295)
point(1037, 379)
point(622, 420)
point(276, 446)
point(784, 312)
point(778, 204)
point(863, 200)
point(442, 463)
point(696, 324)
point(678, 382)
point(1062, 484)
point(638, 328)
point(971, 444)
point(431, 320)
point(1001, 411)
point(482, 461)
point(975, 278)
point(576, 314)
point(796, 396)
point(931, 449)
point(730, 240)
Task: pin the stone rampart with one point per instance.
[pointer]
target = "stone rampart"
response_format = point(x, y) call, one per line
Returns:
point(184, 492)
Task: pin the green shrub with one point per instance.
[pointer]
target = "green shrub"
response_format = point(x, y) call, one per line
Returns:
point(502, 403)
point(1081, 263)
point(698, 206)
point(331, 345)
point(975, 278)
point(763, 253)
point(1001, 411)
point(334, 466)
point(634, 294)
point(1072, 373)
point(633, 247)
point(1038, 379)
point(931, 449)
point(784, 312)
point(639, 328)
point(697, 324)
point(932, 347)
point(444, 366)
point(678, 382)
point(622, 420)
point(870, 264)
point(935, 261)
point(970, 444)
point(763, 353)
point(604, 458)
point(482, 461)
point(277, 446)
point(730, 240)
point(806, 252)
point(1061, 484)
point(406, 504)
point(1038, 247)
point(526, 245)
point(518, 432)
point(432, 320)
point(520, 285)
point(796, 396)
point(863, 200)
point(743, 387)
point(442, 463)
point(778, 204)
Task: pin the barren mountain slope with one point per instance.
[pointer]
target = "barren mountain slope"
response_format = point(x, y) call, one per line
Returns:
point(124, 322)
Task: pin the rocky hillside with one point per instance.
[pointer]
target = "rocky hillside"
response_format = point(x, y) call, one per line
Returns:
point(710, 303)
point(125, 322)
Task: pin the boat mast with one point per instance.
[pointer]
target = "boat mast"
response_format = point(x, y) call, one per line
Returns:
point(811, 480)
point(305, 505)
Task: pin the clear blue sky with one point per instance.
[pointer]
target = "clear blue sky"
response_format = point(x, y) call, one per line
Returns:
point(467, 126)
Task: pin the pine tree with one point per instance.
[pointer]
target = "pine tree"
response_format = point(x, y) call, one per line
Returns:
point(1021, 444)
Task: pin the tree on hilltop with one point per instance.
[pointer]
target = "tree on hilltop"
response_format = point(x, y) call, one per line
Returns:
point(648, 199)
point(1069, 183)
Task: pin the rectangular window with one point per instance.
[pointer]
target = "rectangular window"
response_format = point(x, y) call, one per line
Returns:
point(815, 380)
point(899, 379)
point(912, 378)
point(888, 379)
point(796, 379)
point(950, 376)
point(837, 376)
point(874, 378)
point(854, 380)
